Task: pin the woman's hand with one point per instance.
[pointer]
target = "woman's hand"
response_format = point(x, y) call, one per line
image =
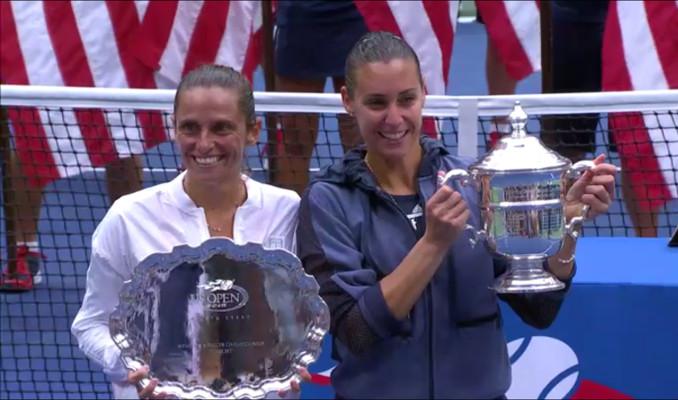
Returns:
point(595, 188)
point(446, 216)
point(147, 392)
point(295, 385)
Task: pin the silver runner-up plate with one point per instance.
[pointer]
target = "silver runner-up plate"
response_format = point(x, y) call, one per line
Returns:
point(220, 320)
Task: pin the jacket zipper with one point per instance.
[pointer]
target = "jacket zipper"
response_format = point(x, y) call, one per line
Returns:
point(429, 309)
point(390, 200)
point(430, 341)
point(429, 296)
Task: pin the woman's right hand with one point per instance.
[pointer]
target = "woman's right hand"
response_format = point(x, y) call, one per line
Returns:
point(134, 377)
point(446, 216)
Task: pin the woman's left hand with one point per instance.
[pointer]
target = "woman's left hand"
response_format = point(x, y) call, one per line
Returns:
point(295, 385)
point(594, 188)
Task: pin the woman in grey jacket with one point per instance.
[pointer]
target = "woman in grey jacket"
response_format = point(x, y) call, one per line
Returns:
point(412, 315)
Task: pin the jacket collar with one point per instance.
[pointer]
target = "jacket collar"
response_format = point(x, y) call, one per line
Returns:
point(178, 196)
point(353, 170)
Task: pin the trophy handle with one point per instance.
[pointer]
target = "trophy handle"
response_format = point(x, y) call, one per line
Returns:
point(576, 223)
point(575, 171)
point(578, 168)
point(456, 175)
point(464, 179)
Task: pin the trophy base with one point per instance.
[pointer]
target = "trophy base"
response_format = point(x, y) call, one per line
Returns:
point(527, 276)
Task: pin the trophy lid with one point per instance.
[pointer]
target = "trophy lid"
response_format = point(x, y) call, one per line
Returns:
point(520, 152)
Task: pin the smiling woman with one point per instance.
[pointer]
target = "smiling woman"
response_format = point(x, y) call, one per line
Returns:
point(388, 111)
point(214, 119)
point(385, 93)
point(412, 311)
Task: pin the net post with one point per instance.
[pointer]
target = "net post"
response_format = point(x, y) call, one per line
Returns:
point(9, 204)
point(267, 44)
point(268, 66)
point(546, 33)
point(548, 135)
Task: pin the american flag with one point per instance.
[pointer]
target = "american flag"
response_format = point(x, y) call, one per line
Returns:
point(429, 26)
point(514, 29)
point(151, 44)
point(640, 52)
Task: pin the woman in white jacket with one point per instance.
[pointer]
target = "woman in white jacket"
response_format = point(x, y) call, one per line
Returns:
point(214, 121)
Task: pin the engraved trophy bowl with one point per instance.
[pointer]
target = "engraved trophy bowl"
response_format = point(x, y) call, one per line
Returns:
point(220, 320)
point(522, 186)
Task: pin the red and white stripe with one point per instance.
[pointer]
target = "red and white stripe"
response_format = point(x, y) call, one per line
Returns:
point(429, 26)
point(640, 53)
point(514, 29)
point(182, 35)
point(255, 45)
point(141, 44)
point(322, 378)
point(65, 43)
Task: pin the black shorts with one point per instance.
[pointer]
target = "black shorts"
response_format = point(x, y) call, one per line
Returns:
point(315, 51)
point(577, 67)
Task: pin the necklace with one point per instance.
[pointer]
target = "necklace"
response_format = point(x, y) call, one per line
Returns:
point(379, 187)
point(224, 229)
point(390, 197)
point(215, 229)
point(376, 179)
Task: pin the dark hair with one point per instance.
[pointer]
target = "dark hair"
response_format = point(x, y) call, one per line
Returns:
point(210, 75)
point(377, 47)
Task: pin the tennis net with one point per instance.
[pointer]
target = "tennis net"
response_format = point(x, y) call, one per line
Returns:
point(66, 138)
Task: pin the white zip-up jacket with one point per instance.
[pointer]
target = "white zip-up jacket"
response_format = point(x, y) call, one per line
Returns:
point(155, 220)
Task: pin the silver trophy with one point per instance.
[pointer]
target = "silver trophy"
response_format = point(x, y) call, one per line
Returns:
point(522, 186)
point(220, 320)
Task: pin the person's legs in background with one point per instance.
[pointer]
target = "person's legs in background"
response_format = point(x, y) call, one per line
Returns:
point(312, 42)
point(300, 133)
point(22, 206)
point(577, 67)
point(25, 270)
point(123, 176)
point(644, 220)
point(499, 82)
point(289, 162)
point(577, 43)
